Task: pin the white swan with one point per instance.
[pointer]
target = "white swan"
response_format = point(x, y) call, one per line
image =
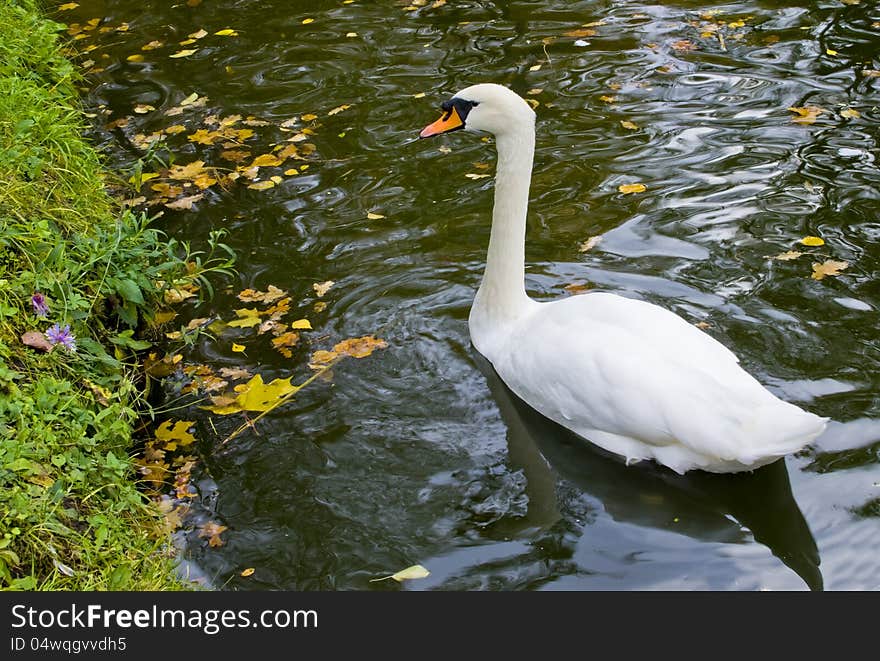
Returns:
point(629, 376)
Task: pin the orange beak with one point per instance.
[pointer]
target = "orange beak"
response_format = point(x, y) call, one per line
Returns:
point(448, 122)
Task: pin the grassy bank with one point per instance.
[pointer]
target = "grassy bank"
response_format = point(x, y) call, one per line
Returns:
point(71, 516)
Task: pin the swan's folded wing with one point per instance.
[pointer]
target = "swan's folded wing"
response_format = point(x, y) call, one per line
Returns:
point(642, 373)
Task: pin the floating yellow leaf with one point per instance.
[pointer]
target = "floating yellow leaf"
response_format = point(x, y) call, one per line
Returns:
point(301, 324)
point(186, 52)
point(608, 99)
point(374, 216)
point(339, 109)
point(143, 108)
point(247, 572)
point(226, 33)
point(137, 57)
point(271, 294)
point(850, 113)
point(408, 574)
point(238, 348)
point(473, 175)
point(283, 342)
point(322, 358)
point(176, 434)
point(244, 322)
point(813, 241)
point(359, 347)
point(831, 52)
point(826, 268)
point(351, 34)
point(192, 98)
point(788, 255)
point(535, 67)
point(256, 396)
point(581, 32)
point(322, 288)
point(806, 114)
point(306, 21)
point(308, 117)
point(629, 125)
point(262, 185)
point(632, 188)
point(68, 5)
point(198, 35)
point(266, 160)
point(419, 95)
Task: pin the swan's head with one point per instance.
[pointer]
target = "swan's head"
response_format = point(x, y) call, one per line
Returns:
point(484, 107)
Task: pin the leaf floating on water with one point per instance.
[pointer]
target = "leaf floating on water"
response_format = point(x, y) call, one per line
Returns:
point(338, 110)
point(473, 175)
point(581, 32)
point(374, 216)
point(137, 57)
point(321, 358)
point(813, 241)
point(238, 348)
point(301, 324)
point(262, 185)
point(359, 347)
point(787, 256)
point(266, 160)
point(850, 113)
point(309, 117)
point(535, 67)
point(186, 52)
point(284, 342)
point(684, 45)
point(608, 99)
point(172, 436)
point(629, 125)
point(626, 189)
point(256, 396)
point(247, 572)
point(826, 268)
point(806, 114)
point(198, 35)
point(322, 288)
point(271, 295)
point(408, 574)
point(143, 108)
point(226, 33)
point(212, 531)
point(68, 5)
point(185, 203)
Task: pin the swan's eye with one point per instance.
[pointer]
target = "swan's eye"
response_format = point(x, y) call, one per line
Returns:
point(455, 111)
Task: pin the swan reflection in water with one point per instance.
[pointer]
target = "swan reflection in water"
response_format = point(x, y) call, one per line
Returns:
point(705, 506)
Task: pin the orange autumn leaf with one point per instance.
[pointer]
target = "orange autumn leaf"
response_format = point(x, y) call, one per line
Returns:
point(212, 531)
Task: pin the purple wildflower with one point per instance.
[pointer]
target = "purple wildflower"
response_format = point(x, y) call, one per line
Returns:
point(41, 307)
point(63, 336)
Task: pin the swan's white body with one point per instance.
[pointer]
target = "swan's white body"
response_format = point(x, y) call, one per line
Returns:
point(632, 377)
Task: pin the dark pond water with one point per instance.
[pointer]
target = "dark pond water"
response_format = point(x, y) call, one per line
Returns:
point(418, 454)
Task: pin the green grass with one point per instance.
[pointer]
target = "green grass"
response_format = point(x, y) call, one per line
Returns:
point(71, 516)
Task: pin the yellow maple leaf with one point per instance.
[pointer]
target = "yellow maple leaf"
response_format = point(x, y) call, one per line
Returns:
point(788, 255)
point(172, 435)
point(828, 267)
point(186, 52)
point(256, 396)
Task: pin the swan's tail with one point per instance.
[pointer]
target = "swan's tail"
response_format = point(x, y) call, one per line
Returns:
point(779, 429)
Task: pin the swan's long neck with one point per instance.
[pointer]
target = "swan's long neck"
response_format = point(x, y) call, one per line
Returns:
point(502, 295)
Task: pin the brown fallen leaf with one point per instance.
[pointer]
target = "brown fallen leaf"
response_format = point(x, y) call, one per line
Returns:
point(185, 203)
point(828, 267)
point(212, 531)
point(788, 255)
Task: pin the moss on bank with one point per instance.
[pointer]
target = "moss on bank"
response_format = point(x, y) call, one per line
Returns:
point(71, 516)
